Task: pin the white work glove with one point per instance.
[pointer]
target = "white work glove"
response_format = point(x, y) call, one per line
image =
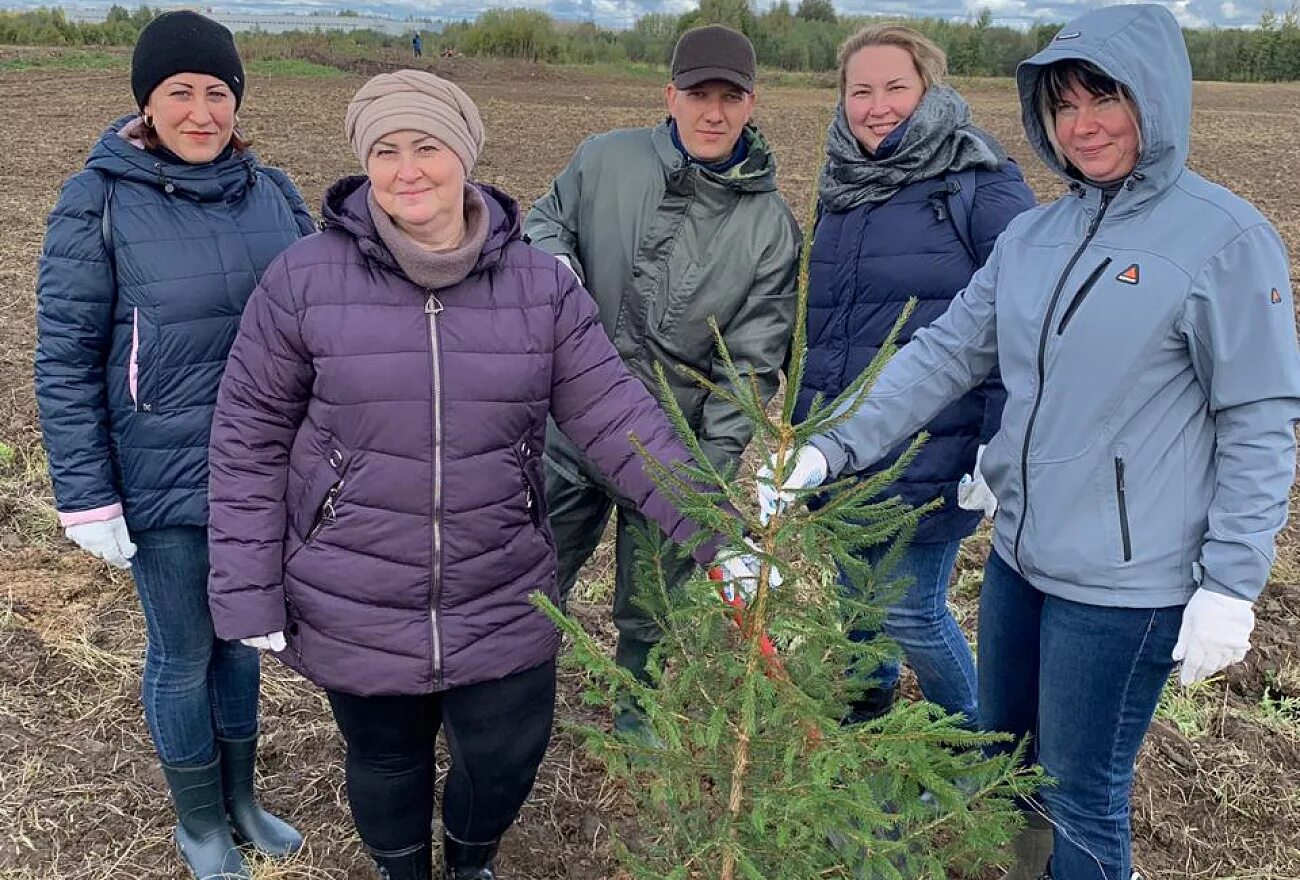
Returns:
point(1215, 634)
point(810, 469)
point(740, 573)
point(269, 642)
point(973, 493)
point(108, 540)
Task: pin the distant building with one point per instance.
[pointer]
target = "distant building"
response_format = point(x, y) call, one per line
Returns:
point(278, 23)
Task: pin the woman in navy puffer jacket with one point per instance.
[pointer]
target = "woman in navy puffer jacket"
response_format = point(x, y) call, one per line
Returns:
point(911, 200)
point(150, 255)
point(377, 475)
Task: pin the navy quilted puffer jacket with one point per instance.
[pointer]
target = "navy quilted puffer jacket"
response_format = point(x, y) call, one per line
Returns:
point(865, 265)
point(376, 455)
point(132, 342)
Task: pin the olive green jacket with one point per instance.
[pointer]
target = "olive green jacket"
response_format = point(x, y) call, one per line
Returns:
point(663, 245)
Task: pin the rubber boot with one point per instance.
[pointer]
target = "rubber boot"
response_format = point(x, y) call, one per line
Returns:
point(630, 720)
point(249, 822)
point(1032, 849)
point(468, 861)
point(874, 703)
point(412, 863)
point(203, 832)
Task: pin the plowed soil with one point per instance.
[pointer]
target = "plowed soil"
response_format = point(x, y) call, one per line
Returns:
point(80, 798)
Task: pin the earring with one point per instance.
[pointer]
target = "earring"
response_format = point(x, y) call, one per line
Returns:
point(148, 122)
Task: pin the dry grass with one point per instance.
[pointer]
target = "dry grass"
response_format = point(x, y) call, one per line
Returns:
point(80, 795)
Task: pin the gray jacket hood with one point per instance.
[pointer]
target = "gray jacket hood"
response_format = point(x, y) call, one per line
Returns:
point(1142, 47)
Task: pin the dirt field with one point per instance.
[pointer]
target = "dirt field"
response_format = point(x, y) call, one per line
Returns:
point(1219, 792)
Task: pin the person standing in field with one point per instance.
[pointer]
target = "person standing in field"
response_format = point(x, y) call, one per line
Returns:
point(911, 200)
point(1145, 329)
point(669, 227)
point(417, 44)
point(378, 515)
point(149, 257)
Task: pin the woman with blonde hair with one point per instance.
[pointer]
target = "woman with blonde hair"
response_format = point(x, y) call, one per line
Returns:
point(911, 199)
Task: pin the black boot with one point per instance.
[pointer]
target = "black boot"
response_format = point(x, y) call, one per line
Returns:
point(249, 822)
point(468, 861)
point(203, 833)
point(874, 703)
point(412, 863)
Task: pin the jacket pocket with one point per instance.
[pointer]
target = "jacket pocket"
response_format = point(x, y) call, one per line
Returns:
point(141, 370)
point(534, 486)
point(1080, 294)
point(1121, 495)
point(322, 492)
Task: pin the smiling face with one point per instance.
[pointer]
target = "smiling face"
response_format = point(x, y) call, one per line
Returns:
point(881, 89)
point(193, 114)
point(1098, 133)
point(710, 117)
point(419, 182)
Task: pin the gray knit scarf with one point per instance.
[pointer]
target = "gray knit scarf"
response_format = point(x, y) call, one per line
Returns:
point(939, 139)
point(434, 270)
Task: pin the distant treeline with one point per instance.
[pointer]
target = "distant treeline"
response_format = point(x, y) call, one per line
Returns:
point(796, 38)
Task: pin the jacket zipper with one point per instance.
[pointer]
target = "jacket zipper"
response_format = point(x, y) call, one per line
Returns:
point(1123, 509)
point(1044, 333)
point(1080, 295)
point(522, 452)
point(431, 308)
point(325, 515)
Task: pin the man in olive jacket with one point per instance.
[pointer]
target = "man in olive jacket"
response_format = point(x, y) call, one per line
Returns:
point(667, 227)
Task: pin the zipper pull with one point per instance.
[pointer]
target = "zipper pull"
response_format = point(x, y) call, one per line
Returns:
point(432, 305)
point(328, 513)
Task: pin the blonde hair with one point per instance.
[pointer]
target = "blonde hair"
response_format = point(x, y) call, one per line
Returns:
point(931, 62)
point(1058, 78)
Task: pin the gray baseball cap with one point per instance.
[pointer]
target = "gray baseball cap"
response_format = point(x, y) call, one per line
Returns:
point(714, 52)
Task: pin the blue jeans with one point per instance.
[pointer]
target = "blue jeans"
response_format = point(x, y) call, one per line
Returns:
point(923, 626)
point(196, 687)
point(1084, 680)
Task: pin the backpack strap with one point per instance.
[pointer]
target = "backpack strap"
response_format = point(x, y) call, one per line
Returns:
point(961, 208)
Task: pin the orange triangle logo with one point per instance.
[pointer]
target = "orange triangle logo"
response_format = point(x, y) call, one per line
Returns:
point(1275, 296)
point(1129, 275)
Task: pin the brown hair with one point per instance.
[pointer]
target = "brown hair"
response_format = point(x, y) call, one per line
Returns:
point(149, 137)
point(931, 62)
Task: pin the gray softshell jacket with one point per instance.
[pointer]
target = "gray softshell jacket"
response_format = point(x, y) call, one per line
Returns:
point(663, 245)
point(1147, 341)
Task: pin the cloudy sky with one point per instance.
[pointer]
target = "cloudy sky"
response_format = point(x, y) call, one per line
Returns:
point(621, 13)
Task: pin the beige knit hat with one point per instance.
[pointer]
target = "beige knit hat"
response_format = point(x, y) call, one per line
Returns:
point(415, 100)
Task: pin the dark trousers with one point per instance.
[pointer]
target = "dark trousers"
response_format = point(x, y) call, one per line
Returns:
point(497, 733)
point(579, 503)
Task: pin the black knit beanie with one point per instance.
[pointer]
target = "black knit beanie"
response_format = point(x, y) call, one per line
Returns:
point(184, 42)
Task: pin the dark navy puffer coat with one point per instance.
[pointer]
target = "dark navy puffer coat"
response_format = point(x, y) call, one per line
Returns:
point(376, 455)
point(128, 362)
point(865, 265)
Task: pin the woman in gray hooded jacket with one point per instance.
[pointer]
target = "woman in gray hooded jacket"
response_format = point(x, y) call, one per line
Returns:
point(1144, 328)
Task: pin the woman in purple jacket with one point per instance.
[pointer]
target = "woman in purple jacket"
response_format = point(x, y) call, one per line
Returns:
point(376, 496)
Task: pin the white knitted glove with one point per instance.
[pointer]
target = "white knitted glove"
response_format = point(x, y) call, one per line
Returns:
point(973, 493)
point(740, 572)
point(810, 469)
point(108, 540)
point(269, 642)
point(1215, 634)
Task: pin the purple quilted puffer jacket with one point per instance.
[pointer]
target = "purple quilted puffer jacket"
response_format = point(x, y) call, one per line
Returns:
point(376, 488)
